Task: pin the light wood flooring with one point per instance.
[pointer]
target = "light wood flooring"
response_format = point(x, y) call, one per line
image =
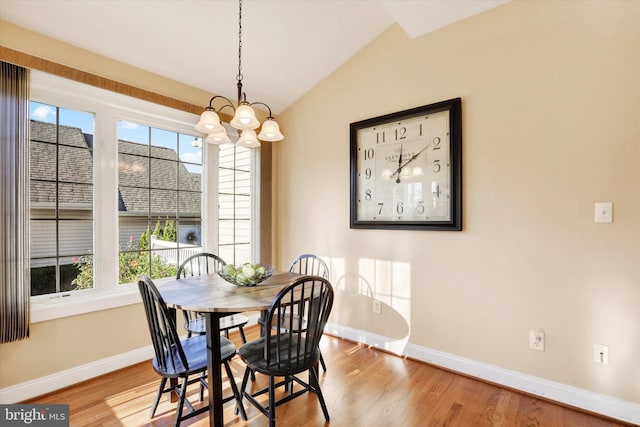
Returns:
point(362, 387)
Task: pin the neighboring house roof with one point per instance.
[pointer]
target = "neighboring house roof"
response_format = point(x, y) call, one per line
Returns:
point(75, 163)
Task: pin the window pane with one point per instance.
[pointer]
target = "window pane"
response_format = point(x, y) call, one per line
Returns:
point(43, 240)
point(190, 177)
point(75, 237)
point(226, 181)
point(164, 174)
point(160, 201)
point(61, 208)
point(234, 204)
point(133, 132)
point(75, 200)
point(133, 201)
point(189, 204)
point(190, 233)
point(43, 199)
point(226, 209)
point(133, 171)
point(190, 149)
point(75, 164)
point(41, 155)
point(226, 233)
point(243, 207)
point(164, 144)
point(164, 203)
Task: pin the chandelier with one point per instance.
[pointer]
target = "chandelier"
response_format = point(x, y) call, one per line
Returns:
point(244, 118)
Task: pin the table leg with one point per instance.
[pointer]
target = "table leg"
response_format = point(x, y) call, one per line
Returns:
point(215, 369)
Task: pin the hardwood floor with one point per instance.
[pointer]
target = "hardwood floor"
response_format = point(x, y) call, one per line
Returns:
point(362, 387)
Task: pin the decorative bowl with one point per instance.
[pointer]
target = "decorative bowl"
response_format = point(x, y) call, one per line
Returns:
point(246, 274)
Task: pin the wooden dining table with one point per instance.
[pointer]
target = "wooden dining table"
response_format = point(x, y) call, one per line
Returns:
point(214, 297)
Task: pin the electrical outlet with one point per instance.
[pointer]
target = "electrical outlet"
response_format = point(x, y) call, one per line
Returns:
point(536, 340)
point(601, 354)
point(377, 306)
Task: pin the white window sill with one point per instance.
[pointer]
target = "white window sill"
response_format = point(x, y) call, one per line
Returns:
point(45, 308)
point(74, 304)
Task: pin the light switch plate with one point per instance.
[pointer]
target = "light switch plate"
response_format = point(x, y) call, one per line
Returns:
point(603, 212)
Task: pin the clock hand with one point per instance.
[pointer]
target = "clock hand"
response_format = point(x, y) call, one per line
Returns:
point(399, 165)
point(415, 156)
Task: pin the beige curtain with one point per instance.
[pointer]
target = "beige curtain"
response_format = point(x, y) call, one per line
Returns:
point(14, 203)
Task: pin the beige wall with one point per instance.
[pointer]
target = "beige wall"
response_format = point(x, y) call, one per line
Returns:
point(66, 343)
point(551, 98)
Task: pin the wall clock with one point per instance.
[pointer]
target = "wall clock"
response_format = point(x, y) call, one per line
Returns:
point(406, 169)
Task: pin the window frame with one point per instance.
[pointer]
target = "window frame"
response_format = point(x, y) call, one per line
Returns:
point(109, 107)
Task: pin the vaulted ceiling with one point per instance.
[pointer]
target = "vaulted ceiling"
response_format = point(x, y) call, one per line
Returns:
point(288, 46)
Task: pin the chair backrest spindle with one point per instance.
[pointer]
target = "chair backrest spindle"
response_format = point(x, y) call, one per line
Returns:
point(310, 265)
point(288, 345)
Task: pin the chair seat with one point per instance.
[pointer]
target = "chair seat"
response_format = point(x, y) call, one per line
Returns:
point(195, 350)
point(198, 326)
point(253, 355)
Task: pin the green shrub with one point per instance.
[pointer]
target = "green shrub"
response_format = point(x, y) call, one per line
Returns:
point(157, 231)
point(131, 262)
point(169, 232)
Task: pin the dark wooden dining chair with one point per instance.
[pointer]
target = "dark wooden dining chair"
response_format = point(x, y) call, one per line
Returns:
point(194, 323)
point(286, 350)
point(180, 359)
point(312, 265)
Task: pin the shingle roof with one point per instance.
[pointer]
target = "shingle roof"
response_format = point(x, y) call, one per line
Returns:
point(75, 165)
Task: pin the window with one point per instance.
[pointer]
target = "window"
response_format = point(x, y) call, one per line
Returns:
point(105, 169)
point(159, 200)
point(61, 182)
point(235, 204)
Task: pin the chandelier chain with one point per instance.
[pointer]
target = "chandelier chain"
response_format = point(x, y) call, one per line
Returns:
point(244, 118)
point(239, 76)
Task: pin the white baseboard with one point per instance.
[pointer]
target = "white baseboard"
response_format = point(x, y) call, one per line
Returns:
point(49, 383)
point(573, 396)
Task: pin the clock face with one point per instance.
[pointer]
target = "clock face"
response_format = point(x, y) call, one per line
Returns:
point(403, 171)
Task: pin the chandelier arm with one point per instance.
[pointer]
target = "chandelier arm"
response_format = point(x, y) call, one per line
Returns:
point(262, 103)
point(229, 103)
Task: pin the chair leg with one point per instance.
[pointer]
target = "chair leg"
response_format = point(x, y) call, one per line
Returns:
point(272, 402)
point(234, 389)
point(245, 380)
point(313, 379)
point(243, 386)
point(204, 377)
point(163, 382)
point(183, 394)
point(324, 367)
point(244, 341)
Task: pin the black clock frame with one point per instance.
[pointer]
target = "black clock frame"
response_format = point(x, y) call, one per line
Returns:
point(455, 145)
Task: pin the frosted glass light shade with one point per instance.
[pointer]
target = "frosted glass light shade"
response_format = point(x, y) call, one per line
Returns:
point(270, 131)
point(245, 118)
point(220, 137)
point(248, 139)
point(209, 122)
